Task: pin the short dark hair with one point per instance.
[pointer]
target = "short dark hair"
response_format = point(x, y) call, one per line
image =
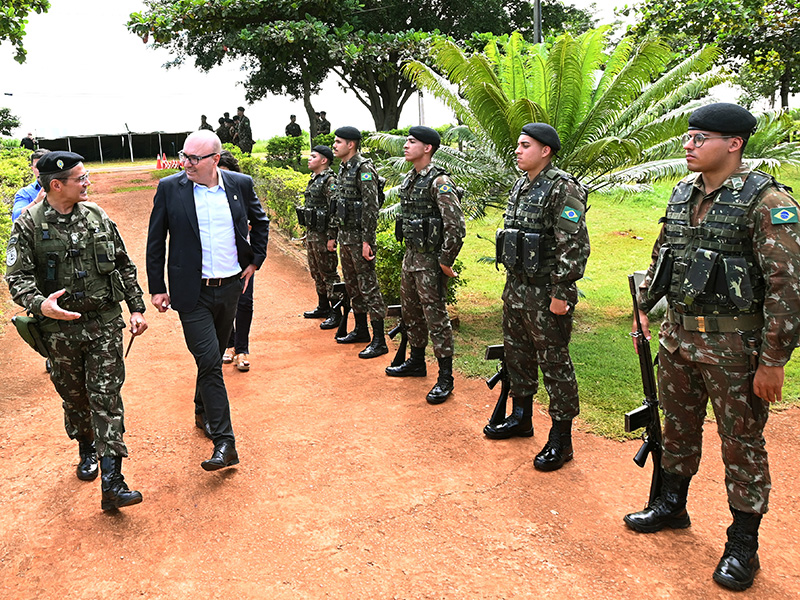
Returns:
point(37, 154)
point(228, 161)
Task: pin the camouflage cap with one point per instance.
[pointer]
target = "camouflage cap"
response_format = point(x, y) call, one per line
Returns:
point(544, 133)
point(58, 161)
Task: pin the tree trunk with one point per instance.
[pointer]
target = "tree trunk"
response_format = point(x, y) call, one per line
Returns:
point(312, 114)
point(786, 79)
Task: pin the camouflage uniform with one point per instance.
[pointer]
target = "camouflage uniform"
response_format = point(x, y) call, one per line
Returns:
point(553, 206)
point(729, 267)
point(323, 127)
point(84, 253)
point(224, 133)
point(319, 229)
point(430, 210)
point(244, 135)
point(357, 208)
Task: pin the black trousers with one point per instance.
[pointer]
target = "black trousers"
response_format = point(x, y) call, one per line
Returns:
point(206, 329)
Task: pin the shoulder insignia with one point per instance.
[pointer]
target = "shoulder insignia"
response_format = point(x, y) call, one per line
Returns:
point(571, 214)
point(11, 255)
point(445, 188)
point(783, 215)
point(366, 177)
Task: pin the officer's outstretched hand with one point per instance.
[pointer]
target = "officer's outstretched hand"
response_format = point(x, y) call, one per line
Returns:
point(768, 382)
point(50, 308)
point(138, 324)
point(160, 301)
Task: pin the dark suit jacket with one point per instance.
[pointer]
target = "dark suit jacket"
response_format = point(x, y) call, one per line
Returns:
point(174, 212)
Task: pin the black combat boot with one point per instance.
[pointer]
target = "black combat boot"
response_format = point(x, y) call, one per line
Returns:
point(359, 334)
point(558, 448)
point(668, 510)
point(323, 308)
point(413, 366)
point(518, 424)
point(115, 491)
point(739, 562)
point(334, 318)
point(87, 468)
point(377, 347)
point(444, 384)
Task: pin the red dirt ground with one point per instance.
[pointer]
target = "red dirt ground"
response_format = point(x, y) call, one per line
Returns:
point(350, 486)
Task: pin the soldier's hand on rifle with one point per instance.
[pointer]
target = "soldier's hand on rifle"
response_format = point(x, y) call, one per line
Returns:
point(645, 328)
point(768, 383)
point(558, 306)
point(138, 324)
point(50, 308)
point(160, 301)
point(448, 270)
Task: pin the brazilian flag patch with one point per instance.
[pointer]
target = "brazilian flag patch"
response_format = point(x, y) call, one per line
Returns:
point(570, 214)
point(366, 177)
point(445, 189)
point(783, 215)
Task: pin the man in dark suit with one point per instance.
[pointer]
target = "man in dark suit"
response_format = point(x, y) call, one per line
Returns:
point(206, 213)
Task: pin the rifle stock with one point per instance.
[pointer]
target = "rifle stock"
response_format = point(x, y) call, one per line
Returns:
point(646, 416)
point(496, 352)
point(395, 310)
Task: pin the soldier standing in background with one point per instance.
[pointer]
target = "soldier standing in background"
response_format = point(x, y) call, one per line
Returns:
point(293, 129)
point(224, 131)
point(727, 259)
point(324, 126)
point(204, 124)
point(67, 265)
point(434, 229)
point(322, 262)
point(357, 209)
point(544, 247)
point(244, 134)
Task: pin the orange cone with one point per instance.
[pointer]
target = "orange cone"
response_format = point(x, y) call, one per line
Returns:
point(158, 162)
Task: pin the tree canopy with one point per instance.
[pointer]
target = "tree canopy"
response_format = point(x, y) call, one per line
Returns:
point(8, 122)
point(760, 37)
point(290, 46)
point(13, 21)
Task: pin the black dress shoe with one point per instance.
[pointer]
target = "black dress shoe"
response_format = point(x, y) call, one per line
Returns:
point(201, 423)
point(224, 455)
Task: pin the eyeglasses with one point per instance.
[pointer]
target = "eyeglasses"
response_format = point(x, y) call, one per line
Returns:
point(193, 159)
point(698, 139)
point(82, 178)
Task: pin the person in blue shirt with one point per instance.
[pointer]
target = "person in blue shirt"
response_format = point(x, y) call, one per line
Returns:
point(32, 193)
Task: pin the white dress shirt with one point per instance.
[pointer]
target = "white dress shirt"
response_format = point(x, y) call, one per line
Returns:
point(217, 236)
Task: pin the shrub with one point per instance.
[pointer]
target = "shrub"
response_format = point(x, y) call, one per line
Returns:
point(325, 139)
point(280, 191)
point(285, 150)
point(15, 173)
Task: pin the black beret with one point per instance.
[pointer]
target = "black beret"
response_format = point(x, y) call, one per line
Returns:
point(348, 133)
point(58, 161)
point(723, 117)
point(325, 151)
point(426, 135)
point(542, 132)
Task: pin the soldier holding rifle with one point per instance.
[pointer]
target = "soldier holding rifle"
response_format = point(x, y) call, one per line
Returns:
point(727, 259)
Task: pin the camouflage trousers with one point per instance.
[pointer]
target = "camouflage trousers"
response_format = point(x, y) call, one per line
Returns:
point(88, 375)
point(361, 282)
point(322, 265)
point(424, 311)
point(536, 340)
point(684, 388)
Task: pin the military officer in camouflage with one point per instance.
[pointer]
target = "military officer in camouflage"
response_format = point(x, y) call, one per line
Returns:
point(244, 135)
point(357, 207)
point(322, 263)
point(544, 246)
point(727, 259)
point(67, 265)
point(432, 224)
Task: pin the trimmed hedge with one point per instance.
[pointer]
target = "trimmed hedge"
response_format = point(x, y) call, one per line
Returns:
point(15, 173)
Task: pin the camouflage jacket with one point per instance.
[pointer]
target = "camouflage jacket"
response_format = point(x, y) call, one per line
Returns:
point(571, 249)
point(24, 273)
point(776, 247)
point(443, 196)
point(365, 180)
point(245, 135)
point(324, 184)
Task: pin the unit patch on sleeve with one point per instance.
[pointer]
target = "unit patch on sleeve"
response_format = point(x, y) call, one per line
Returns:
point(445, 189)
point(366, 177)
point(783, 215)
point(571, 214)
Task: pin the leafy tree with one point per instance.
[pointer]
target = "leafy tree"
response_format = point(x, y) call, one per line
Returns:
point(760, 36)
point(289, 46)
point(7, 121)
point(13, 21)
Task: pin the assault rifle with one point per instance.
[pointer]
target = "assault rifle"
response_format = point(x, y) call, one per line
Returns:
point(647, 414)
point(395, 310)
point(496, 352)
point(344, 303)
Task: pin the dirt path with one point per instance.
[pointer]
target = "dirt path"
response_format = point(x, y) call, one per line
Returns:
point(350, 486)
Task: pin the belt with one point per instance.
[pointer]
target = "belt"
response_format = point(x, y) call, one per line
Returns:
point(540, 280)
point(716, 323)
point(220, 281)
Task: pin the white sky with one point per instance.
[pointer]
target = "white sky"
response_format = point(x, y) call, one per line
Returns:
point(85, 74)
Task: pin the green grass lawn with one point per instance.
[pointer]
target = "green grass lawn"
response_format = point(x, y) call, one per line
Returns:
point(622, 232)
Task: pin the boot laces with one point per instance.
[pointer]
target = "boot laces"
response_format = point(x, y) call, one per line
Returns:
point(740, 545)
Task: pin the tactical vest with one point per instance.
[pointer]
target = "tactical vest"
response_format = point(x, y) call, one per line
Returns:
point(710, 268)
point(349, 204)
point(526, 246)
point(317, 208)
point(81, 263)
point(422, 220)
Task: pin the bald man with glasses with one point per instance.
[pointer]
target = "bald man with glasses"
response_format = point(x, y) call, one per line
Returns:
point(205, 213)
